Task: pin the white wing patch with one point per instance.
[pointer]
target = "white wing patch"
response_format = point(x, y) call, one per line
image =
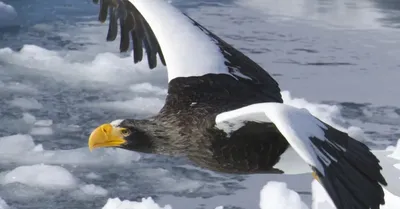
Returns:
point(187, 50)
point(298, 126)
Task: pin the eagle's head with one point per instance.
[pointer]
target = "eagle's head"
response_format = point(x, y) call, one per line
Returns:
point(125, 134)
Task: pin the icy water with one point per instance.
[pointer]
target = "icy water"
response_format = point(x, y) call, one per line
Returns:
point(59, 79)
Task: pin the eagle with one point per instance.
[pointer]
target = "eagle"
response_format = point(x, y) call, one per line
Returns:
point(224, 112)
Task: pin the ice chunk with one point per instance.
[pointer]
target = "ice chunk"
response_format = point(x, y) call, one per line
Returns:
point(43, 123)
point(89, 190)
point(166, 181)
point(276, 195)
point(396, 151)
point(28, 118)
point(101, 68)
point(146, 203)
point(92, 175)
point(142, 105)
point(8, 15)
point(22, 149)
point(3, 204)
point(321, 199)
point(17, 88)
point(16, 144)
point(147, 88)
point(41, 131)
point(391, 201)
point(26, 103)
point(43, 176)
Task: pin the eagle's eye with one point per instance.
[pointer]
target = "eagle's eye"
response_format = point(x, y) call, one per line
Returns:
point(125, 132)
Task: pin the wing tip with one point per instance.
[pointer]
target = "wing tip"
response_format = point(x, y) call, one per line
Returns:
point(129, 20)
point(353, 177)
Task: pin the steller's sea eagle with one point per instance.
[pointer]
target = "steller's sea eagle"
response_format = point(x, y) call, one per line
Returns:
point(224, 112)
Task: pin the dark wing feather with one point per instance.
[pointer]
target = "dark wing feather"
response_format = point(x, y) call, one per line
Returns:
point(354, 180)
point(237, 62)
point(130, 19)
point(132, 27)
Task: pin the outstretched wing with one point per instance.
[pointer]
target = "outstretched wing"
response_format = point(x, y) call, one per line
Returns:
point(187, 48)
point(346, 168)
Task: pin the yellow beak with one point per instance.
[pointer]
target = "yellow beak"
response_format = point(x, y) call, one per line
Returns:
point(105, 136)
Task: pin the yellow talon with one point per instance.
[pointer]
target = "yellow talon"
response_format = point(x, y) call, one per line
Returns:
point(315, 176)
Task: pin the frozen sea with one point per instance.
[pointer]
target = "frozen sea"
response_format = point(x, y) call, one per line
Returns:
point(59, 79)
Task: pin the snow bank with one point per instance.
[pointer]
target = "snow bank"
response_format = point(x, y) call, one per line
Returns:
point(21, 149)
point(8, 15)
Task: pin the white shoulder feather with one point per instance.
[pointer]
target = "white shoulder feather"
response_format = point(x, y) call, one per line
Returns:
point(187, 50)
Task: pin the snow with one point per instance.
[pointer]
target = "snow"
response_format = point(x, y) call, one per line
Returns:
point(95, 64)
point(276, 195)
point(142, 105)
point(99, 67)
point(17, 87)
point(21, 149)
point(44, 176)
point(90, 190)
point(26, 103)
point(3, 204)
point(28, 118)
point(8, 15)
point(43, 123)
point(147, 88)
point(184, 47)
point(396, 151)
point(146, 203)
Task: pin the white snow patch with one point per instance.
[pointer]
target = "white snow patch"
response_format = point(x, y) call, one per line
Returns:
point(92, 175)
point(146, 203)
point(26, 103)
point(15, 144)
point(276, 195)
point(43, 131)
point(16, 87)
point(43, 123)
point(138, 105)
point(22, 149)
point(166, 182)
point(77, 67)
point(3, 204)
point(89, 190)
point(28, 118)
point(396, 152)
point(43, 176)
point(8, 15)
point(148, 89)
point(321, 199)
